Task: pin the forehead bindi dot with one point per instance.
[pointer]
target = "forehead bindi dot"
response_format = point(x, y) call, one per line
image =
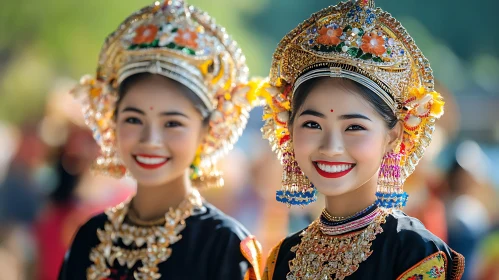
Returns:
point(332, 110)
point(151, 108)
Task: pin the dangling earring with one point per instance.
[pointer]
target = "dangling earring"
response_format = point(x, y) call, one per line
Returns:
point(296, 189)
point(109, 162)
point(206, 177)
point(390, 193)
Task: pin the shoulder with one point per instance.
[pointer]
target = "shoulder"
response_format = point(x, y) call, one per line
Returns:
point(222, 225)
point(77, 258)
point(226, 230)
point(291, 240)
point(233, 242)
point(421, 254)
point(281, 253)
point(88, 231)
point(410, 235)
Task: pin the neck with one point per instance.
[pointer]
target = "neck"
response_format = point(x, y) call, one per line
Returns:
point(152, 203)
point(354, 201)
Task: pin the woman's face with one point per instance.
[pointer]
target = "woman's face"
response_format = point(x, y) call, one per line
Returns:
point(339, 139)
point(158, 131)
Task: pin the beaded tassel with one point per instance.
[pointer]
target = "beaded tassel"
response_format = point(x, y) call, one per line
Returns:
point(296, 188)
point(390, 193)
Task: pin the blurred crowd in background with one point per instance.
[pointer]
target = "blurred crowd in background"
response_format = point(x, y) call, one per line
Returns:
point(47, 190)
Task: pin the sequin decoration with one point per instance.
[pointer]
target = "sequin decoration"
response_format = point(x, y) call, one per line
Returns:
point(430, 268)
point(151, 245)
point(324, 257)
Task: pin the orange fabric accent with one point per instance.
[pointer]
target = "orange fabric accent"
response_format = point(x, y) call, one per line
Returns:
point(252, 251)
point(437, 260)
point(457, 266)
point(268, 273)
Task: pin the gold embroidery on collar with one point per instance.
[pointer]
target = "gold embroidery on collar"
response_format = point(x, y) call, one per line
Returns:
point(320, 256)
point(150, 245)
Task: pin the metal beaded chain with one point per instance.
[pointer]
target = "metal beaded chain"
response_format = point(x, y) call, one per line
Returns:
point(332, 219)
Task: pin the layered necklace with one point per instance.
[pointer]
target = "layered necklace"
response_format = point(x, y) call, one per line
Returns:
point(333, 247)
point(150, 241)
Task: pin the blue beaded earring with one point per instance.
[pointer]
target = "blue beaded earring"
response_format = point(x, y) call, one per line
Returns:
point(296, 189)
point(390, 193)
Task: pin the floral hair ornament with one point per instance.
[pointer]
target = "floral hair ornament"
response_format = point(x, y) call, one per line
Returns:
point(184, 44)
point(357, 41)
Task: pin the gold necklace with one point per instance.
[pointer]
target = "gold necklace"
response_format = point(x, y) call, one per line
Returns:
point(157, 241)
point(331, 218)
point(134, 218)
point(324, 257)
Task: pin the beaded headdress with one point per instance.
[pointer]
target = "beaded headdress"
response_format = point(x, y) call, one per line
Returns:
point(184, 44)
point(357, 41)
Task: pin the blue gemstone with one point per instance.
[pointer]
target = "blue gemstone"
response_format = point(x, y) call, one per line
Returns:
point(311, 41)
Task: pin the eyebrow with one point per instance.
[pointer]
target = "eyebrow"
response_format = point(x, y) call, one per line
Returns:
point(173, 113)
point(169, 113)
point(342, 117)
point(354, 116)
point(313, 113)
point(132, 109)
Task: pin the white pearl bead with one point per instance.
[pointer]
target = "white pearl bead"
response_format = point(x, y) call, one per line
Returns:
point(413, 121)
point(283, 116)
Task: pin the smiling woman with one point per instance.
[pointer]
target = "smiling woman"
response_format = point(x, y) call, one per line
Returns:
point(350, 111)
point(347, 144)
point(159, 126)
point(171, 95)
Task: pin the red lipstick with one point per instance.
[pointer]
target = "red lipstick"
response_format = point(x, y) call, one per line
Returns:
point(335, 174)
point(150, 161)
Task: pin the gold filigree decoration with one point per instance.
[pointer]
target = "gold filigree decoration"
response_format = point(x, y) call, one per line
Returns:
point(325, 257)
point(150, 245)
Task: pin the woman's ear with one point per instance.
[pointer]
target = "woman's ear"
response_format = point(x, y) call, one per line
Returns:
point(394, 137)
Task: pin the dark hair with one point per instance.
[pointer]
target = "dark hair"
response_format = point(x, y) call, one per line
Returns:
point(125, 86)
point(376, 102)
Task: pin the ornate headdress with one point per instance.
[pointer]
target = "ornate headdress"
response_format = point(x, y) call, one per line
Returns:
point(184, 44)
point(357, 41)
